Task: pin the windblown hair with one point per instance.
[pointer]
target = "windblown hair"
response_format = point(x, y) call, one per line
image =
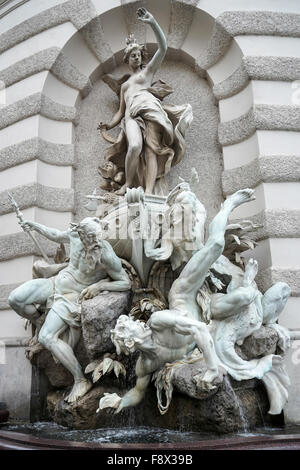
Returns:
point(131, 45)
point(128, 334)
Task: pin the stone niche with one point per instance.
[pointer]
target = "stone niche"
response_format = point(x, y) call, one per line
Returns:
point(203, 150)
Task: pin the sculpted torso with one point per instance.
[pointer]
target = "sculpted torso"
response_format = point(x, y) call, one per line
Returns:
point(133, 85)
point(78, 270)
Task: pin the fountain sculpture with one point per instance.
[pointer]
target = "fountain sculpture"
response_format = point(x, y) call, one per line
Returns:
point(143, 294)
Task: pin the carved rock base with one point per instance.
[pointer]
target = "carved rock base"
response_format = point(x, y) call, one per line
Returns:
point(223, 412)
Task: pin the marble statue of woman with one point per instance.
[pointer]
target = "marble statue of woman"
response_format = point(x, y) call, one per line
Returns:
point(152, 137)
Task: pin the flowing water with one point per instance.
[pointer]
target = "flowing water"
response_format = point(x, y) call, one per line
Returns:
point(127, 435)
point(239, 405)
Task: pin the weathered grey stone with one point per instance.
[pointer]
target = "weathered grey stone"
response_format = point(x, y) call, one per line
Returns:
point(183, 381)
point(275, 168)
point(272, 68)
point(271, 275)
point(99, 316)
point(233, 84)
point(94, 36)
point(70, 75)
point(275, 224)
point(218, 45)
point(237, 130)
point(20, 244)
point(36, 148)
point(260, 23)
point(223, 412)
point(48, 59)
point(182, 14)
point(79, 12)
point(37, 104)
point(82, 414)
point(31, 65)
point(275, 117)
point(262, 117)
point(44, 197)
point(5, 290)
point(259, 344)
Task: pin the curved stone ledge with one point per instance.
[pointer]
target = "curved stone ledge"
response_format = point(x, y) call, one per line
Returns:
point(37, 148)
point(181, 19)
point(263, 169)
point(31, 65)
point(65, 71)
point(270, 276)
point(37, 104)
point(20, 244)
point(237, 130)
point(79, 12)
point(276, 224)
point(94, 37)
point(48, 59)
point(37, 195)
point(5, 290)
point(274, 117)
point(260, 23)
point(233, 84)
point(272, 68)
point(218, 45)
point(261, 117)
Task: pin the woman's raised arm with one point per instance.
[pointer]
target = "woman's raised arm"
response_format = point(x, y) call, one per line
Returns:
point(155, 62)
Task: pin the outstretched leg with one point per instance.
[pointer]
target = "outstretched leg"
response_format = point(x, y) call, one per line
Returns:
point(135, 145)
point(53, 327)
point(24, 298)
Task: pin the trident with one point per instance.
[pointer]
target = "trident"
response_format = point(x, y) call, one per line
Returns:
point(21, 219)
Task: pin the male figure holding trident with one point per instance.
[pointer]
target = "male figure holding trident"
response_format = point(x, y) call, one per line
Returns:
point(172, 334)
point(93, 268)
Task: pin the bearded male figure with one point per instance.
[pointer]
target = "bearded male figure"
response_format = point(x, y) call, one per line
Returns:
point(93, 267)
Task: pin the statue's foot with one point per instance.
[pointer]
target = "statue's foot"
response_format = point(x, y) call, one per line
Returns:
point(122, 190)
point(240, 197)
point(250, 272)
point(80, 388)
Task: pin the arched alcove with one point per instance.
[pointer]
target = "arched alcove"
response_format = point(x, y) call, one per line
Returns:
point(195, 43)
point(202, 152)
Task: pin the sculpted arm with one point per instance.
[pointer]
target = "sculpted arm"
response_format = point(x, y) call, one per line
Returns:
point(158, 57)
point(119, 114)
point(136, 394)
point(119, 280)
point(51, 233)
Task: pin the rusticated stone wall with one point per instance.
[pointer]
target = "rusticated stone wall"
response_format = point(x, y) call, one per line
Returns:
point(52, 54)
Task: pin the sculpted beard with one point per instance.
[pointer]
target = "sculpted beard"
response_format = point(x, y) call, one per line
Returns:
point(92, 255)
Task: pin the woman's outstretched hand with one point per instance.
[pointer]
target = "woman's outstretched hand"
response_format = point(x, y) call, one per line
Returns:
point(144, 15)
